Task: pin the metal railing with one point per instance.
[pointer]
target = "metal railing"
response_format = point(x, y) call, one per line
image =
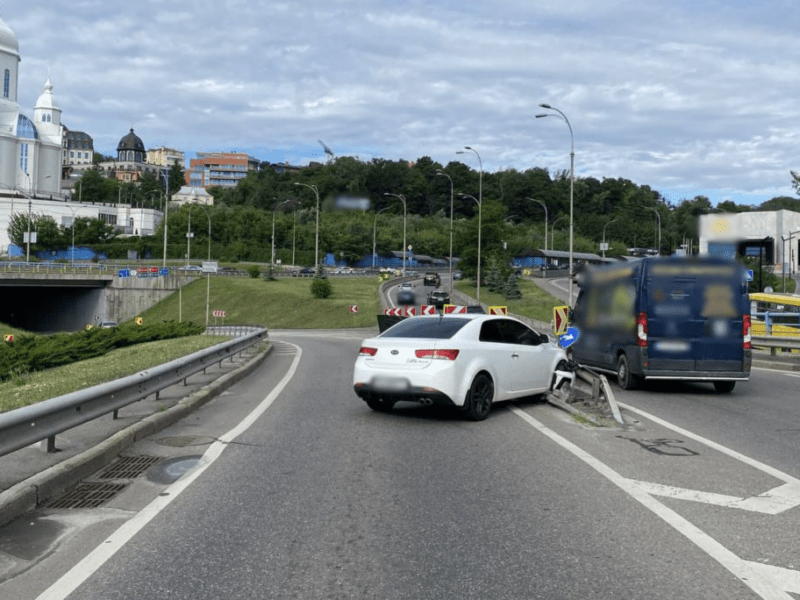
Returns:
point(774, 342)
point(43, 421)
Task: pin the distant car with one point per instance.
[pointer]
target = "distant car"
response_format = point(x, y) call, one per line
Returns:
point(343, 271)
point(438, 298)
point(432, 278)
point(406, 285)
point(467, 361)
point(406, 296)
point(108, 324)
point(191, 269)
point(457, 275)
point(304, 272)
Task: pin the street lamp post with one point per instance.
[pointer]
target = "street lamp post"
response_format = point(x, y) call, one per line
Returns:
point(72, 248)
point(658, 248)
point(480, 205)
point(545, 219)
point(403, 200)
point(165, 176)
point(272, 260)
point(314, 189)
point(604, 235)
point(375, 235)
point(478, 285)
point(791, 253)
point(450, 263)
point(28, 252)
point(571, 184)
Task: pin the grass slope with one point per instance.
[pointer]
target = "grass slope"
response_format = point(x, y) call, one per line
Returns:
point(285, 303)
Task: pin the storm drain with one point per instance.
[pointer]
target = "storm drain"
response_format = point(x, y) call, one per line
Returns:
point(94, 494)
point(88, 495)
point(128, 467)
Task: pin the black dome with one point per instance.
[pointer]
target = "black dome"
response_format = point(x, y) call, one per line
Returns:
point(131, 142)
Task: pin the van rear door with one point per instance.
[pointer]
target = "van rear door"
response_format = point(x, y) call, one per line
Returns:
point(695, 322)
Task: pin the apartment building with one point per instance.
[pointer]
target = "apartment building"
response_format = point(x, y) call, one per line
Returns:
point(224, 169)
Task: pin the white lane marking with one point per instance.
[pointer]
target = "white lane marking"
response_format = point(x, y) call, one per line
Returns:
point(772, 502)
point(788, 374)
point(718, 447)
point(787, 579)
point(62, 588)
point(758, 580)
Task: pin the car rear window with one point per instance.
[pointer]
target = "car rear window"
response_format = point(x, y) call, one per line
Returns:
point(441, 328)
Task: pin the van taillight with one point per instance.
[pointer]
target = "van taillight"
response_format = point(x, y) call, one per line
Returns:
point(746, 325)
point(641, 329)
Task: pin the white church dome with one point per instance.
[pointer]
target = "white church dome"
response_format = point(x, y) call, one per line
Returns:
point(8, 40)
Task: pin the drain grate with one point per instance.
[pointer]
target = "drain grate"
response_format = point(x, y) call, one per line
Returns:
point(88, 495)
point(128, 467)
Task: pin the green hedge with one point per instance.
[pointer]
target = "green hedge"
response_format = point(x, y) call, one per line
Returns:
point(36, 353)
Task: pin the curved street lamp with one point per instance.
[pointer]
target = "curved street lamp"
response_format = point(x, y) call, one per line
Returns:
point(604, 235)
point(403, 200)
point(314, 189)
point(658, 248)
point(545, 219)
point(478, 285)
point(450, 268)
point(562, 116)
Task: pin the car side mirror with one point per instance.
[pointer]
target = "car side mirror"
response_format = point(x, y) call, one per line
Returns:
point(544, 338)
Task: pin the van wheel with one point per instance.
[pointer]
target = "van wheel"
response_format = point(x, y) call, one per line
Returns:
point(724, 387)
point(625, 379)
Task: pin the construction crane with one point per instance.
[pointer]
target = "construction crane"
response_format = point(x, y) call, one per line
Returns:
point(328, 151)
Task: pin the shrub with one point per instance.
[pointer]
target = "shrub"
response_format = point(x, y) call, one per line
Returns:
point(254, 271)
point(321, 287)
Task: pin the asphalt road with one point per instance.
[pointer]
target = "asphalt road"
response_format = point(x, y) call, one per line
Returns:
point(295, 489)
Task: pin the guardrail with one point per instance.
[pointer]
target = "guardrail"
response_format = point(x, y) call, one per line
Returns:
point(43, 421)
point(774, 342)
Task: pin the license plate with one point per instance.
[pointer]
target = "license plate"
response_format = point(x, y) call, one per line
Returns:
point(390, 384)
point(673, 346)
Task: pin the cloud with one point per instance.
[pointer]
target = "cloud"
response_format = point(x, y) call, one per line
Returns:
point(677, 96)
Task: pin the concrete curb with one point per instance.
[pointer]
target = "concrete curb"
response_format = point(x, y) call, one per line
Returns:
point(27, 495)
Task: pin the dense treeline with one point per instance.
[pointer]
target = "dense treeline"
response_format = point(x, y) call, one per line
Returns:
point(513, 215)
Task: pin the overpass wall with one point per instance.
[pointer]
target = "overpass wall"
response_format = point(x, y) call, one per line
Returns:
point(127, 297)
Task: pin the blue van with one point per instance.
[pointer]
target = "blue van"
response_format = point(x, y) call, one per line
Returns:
point(665, 318)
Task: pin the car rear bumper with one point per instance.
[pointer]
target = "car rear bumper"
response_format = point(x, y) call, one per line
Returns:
point(366, 391)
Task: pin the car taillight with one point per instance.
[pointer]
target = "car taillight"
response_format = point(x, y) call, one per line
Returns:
point(746, 328)
point(641, 329)
point(438, 354)
point(365, 351)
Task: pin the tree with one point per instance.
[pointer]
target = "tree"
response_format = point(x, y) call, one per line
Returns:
point(796, 181)
point(176, 178)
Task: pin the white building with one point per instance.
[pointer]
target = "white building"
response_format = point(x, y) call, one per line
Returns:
point(195, 195)
point(30, 150)
point(774, 236)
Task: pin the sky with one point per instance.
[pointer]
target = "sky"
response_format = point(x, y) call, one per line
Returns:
point(689, 98)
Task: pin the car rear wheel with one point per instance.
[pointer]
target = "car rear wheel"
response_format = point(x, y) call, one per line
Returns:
point(479, 397)
point(380, 404)
point(625, 379)
point(724, 387)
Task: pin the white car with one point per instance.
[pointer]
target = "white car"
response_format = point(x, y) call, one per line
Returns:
point(466, 360)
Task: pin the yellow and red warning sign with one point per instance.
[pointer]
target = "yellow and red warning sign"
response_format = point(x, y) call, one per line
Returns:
point(139, 320)
point(8, 337)
point(560, 319)
point(498, 310)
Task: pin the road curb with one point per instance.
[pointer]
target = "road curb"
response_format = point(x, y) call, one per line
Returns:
point(27, 495)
